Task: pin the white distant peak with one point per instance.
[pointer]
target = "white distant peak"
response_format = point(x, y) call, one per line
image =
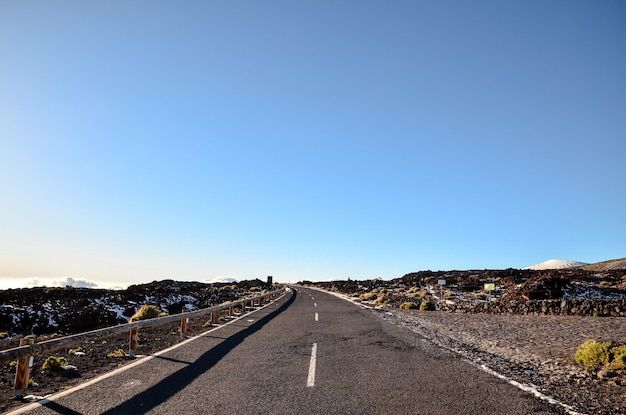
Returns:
point(556, 264)
point(216, 280)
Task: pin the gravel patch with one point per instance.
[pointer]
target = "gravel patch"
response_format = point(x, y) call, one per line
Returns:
point(535, 351)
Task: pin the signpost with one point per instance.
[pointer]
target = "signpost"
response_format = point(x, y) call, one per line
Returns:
point(489, 287)
point(441, 284)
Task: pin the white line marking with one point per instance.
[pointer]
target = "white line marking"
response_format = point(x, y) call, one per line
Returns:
point(310, 382)
point(56, 396)
point(314, 304)
point(316, 317)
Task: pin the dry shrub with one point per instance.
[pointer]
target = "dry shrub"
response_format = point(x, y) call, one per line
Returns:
point(595, 354)
point(147, 311)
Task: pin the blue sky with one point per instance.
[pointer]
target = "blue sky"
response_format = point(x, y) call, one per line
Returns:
point(147, 140)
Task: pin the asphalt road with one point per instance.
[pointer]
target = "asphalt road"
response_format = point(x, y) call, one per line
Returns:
point(307, 353)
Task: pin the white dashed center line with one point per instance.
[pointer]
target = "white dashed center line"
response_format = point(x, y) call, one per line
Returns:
point(316, 317)
point(311, 379)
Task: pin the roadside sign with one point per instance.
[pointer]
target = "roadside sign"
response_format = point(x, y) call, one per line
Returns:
point(441, 284)
point(490, 286)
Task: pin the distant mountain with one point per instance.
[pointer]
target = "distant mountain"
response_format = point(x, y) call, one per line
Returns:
point(556, 264)
point(607, 265)
point(224, 280)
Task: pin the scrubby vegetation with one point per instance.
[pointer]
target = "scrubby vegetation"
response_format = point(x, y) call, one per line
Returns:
point(409, 305)
point(54, 363)
point(381, 299)
point(427, 306)
point(595, 354)
point(370, 296)
point(117, 353)
point(147, 311)
point(77, 350)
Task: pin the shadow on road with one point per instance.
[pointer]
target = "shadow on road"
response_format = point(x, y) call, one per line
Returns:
point(176, 382)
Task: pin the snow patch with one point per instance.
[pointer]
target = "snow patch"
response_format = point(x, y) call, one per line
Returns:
point(556, 264)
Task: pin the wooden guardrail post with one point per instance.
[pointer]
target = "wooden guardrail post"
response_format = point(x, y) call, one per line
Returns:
point(231, 311)
point(134, 339)
point(183, 325)
point(22, 373)
point(243, 307)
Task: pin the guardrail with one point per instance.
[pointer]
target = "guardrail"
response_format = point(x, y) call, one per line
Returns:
point(29, 349)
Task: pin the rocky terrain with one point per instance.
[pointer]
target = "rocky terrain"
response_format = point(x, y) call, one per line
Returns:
point(68, 310)
point(593, 290)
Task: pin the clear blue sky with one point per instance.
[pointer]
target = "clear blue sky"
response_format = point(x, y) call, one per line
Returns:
point(143, 140)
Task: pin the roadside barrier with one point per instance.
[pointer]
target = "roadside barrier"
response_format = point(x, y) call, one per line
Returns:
point(28, 348)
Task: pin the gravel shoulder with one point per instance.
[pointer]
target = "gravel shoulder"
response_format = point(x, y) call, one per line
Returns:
point(533, 350)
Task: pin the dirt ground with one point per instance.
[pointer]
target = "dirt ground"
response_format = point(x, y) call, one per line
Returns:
point(95, 362)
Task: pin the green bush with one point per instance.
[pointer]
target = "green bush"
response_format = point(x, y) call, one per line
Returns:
point(408, 306)
point(427, 306)
point(3, 335)
point(54, 363)
point(146, 312)
point(594, 354)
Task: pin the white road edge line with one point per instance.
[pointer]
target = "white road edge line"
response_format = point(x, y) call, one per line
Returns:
point(140, 360)
point(310, 382)
point(531, 389)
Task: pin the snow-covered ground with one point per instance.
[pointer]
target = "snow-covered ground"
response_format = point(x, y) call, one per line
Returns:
point(556, 264)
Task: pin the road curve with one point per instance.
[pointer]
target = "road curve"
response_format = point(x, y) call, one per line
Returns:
point(309, 353)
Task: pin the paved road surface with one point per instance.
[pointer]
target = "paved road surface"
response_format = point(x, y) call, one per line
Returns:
point(307, 353)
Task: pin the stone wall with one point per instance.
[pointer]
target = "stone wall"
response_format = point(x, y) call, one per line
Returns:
point(572, 307)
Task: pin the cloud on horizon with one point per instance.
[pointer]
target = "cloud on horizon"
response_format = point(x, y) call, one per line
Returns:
point(71, 282)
